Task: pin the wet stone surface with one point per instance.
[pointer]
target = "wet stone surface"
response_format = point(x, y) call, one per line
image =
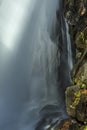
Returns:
point(75, 12)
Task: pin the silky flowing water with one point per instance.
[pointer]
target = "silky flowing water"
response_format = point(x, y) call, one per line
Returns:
point(31, 63)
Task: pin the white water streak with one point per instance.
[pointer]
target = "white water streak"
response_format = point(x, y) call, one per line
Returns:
point(69, 47)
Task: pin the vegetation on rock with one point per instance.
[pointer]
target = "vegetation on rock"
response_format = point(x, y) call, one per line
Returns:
point(75, 12)
point(76, 96)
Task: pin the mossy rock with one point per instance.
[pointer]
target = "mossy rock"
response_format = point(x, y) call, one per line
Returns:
point(81, 39)
point(69, 124)
point(81, 75)
point(81, 108)
point(70, 100)
point(84, 127)
point(76, 102)
point(64, 124)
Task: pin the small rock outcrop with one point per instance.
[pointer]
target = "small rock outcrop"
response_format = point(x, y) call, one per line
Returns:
point(76, 103)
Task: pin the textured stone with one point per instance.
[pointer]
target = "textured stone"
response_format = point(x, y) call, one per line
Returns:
point(76, 103)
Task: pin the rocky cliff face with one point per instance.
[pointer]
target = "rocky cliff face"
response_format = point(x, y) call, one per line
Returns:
point(75, 12)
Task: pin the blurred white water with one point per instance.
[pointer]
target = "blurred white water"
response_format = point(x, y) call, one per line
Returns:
point(28, 63)
point(69, 48)
point(12, 19)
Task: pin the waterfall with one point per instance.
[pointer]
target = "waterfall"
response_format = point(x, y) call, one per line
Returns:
point(69, 47)
point(28, 69)
point(30, 58)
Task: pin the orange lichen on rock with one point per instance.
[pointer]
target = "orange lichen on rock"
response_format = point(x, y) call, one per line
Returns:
point(84, 91)
point(65, 125)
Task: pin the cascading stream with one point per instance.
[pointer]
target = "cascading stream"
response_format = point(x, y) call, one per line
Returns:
point(29, 61)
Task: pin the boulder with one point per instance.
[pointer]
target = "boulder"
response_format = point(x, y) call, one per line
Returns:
point(76, 102)
point(69, 124)
point(81, 74)
point(64, 124)
point(81, 39)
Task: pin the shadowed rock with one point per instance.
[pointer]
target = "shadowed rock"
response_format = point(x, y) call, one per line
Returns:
point(76, 103)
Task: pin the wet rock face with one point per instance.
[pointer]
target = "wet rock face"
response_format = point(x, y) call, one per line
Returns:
point(71, 100)
point(76, 96)
point(81, 75)
point(64, 124)
point(74, 10)
point(81, 39)
point(76, 103)
point(81, 109)
point(71, 124)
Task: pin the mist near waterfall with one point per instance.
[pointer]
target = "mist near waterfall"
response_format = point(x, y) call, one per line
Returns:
point(29, 61)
